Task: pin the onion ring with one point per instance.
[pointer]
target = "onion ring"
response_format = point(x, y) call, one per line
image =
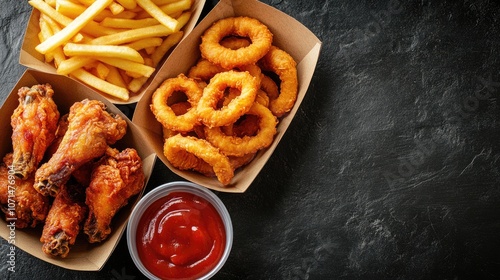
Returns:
point(268, 85)
point(262, 98)
point(239, 146)
point(257, 32)
point(164, 113)
point(205, 70)
point(187, 152)
point(196, 132)
point(283, 64)
point(246, 125)
point(206, 108)
point(181, 108)
point(236, 162)
point(235, 43)
point(243, 123)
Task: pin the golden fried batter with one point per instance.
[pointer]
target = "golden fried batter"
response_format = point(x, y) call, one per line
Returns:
point(64, 220)
point(116, 178)
point(20, 202)
point(34, 124)
point(62, 127)
point(90, 130)
point(82, 174)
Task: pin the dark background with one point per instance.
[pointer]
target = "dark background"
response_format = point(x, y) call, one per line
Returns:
point(390, 167)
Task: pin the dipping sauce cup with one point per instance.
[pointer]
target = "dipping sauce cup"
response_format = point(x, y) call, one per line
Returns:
point(179, 230)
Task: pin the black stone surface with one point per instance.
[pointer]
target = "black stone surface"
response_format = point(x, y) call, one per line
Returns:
point(390, 169)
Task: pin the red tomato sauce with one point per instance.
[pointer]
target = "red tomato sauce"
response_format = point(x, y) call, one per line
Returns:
point(180, 236)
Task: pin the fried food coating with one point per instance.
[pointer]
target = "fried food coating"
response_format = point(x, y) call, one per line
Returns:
point(191, 153)
point(247, 144)
point(260, 36)
point(64, 220)
point(34, 124)
point(62, 127)
point(282, 64)
point(165, 114)
point(115, 178)
point(90, 130)
point(30, 207)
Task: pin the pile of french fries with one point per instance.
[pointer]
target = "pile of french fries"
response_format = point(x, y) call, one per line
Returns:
point(111, 45)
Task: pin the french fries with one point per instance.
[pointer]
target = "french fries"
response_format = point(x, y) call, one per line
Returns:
point(72, 49)
point(73, 28)
point(158, 14)
point(113, 46)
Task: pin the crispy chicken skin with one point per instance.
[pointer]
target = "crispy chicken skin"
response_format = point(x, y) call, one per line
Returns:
point(90, 130)
point(82, 174)
point(62, 127)
point(30, 207)
point(64, 220)
point(116, 178)
point(34, 124)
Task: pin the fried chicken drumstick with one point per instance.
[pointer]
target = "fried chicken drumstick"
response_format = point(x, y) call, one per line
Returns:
point(34, 124)
point(30, 207)
point(116, 178)
point(64, 220)
point(90, 130)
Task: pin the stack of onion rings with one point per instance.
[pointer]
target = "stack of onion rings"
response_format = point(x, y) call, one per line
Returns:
point(232, 101)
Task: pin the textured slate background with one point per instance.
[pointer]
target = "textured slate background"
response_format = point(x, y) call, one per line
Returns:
point(390, 168)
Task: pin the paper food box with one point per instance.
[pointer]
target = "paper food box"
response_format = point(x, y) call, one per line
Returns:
point(30, 58)
point(289, 35)
point(83, 255)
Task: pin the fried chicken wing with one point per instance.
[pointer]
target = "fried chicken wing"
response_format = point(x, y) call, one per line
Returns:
point(34, 124)
point(82, 174)
point(62, 127)
point(19, 201)
point(116, 178)
point(90, 130)
point(64, 220)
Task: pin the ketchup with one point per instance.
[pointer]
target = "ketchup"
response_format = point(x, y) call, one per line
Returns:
point(180, 236)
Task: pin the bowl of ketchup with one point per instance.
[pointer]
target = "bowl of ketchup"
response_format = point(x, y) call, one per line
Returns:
point(179, 230)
